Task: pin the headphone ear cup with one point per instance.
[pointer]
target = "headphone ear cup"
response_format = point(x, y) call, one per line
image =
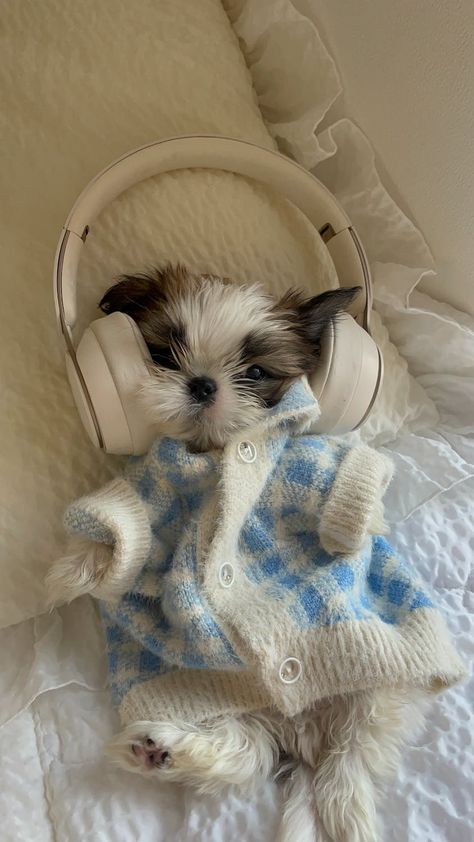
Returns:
point(113, 360)
point(349, 377)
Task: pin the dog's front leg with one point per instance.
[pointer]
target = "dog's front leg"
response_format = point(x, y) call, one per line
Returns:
point(106, 567)
point(83, 569)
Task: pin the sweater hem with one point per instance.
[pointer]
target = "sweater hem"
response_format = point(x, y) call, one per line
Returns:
point(418, 657)
point(364, 655)
point(193, 696)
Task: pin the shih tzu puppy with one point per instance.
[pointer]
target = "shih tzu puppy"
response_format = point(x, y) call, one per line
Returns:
point(257, 623)
point(223, 353)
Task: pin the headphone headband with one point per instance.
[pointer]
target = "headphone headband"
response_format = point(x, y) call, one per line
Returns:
point(89, 372)
point(220, 153)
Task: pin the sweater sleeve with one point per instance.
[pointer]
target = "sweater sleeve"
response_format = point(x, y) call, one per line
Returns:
point(354, 508)
point(115, 515)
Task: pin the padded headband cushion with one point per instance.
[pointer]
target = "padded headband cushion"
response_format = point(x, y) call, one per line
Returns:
point(110, 355)
point(276, 171)
point(213, 222)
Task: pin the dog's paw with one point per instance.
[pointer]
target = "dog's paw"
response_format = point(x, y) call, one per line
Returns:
point(77, 573)
point(148, 755)
point(145, 747)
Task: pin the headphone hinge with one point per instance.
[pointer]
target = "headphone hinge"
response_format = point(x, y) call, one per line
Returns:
point(327, 232)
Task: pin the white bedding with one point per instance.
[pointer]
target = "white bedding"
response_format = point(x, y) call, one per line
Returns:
point(57, 785)
point(54, 783)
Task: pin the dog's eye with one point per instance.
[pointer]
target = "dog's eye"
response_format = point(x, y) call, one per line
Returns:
point(255, 372)
point(165, 358)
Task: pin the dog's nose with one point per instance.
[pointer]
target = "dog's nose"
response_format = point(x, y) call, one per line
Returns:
point(202, 389)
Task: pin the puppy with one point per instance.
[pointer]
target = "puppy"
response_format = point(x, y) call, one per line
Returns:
point(223, 357)
point(223, 354)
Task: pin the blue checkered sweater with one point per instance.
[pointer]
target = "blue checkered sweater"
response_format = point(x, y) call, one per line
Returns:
point(250, 577)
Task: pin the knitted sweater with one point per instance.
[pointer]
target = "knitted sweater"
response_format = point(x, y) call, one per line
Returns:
point(249, 578)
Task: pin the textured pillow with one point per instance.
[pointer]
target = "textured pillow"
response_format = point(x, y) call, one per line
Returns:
point(81, 85)
point(401, 403)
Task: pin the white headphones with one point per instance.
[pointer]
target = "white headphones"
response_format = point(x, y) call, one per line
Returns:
point(111, 359)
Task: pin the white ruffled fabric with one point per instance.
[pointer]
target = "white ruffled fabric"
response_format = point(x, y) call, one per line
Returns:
point(430, 501)
point(296, 82)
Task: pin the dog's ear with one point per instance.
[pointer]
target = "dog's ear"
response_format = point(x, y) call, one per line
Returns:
point(134, 295)
point(140, 295)
point(311, 316)
point(316, 313)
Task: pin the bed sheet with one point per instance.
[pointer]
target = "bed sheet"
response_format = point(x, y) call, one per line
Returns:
point(57, 785)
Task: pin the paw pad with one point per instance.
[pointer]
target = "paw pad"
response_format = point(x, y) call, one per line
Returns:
point(149, 755)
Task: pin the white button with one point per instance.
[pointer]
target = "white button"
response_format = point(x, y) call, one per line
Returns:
point(290, 670)
point(226, 575)
point(247, 451)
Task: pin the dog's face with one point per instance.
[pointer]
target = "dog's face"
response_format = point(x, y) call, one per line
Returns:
point(223, 354)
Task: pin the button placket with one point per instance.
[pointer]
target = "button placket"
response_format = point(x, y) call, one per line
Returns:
point(247, 451)
point(226, 574)
point(290, 670)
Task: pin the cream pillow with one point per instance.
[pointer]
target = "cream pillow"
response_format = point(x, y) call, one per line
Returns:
point(82, 85)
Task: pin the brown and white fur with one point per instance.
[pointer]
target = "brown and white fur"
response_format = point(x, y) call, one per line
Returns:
point(222, 355)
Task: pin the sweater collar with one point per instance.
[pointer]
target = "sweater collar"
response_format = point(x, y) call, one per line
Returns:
point(297, 410)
